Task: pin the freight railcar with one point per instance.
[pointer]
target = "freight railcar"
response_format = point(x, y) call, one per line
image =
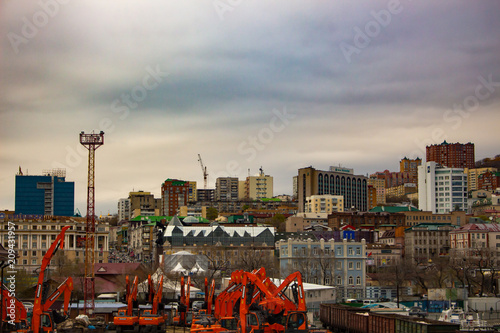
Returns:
point(343, 318)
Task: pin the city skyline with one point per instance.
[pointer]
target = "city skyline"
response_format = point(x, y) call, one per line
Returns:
point(245, 84)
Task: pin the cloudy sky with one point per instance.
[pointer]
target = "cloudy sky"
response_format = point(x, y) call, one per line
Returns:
point(278, 84)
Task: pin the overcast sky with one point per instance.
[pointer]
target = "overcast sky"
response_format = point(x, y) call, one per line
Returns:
point(277, 84)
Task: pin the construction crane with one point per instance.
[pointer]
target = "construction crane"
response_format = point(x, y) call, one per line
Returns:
point(91, 142)
point(204, 170)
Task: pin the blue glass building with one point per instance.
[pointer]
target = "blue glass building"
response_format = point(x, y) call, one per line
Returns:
point(44, 195)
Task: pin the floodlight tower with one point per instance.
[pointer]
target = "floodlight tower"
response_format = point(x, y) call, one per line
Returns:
point(91, 142)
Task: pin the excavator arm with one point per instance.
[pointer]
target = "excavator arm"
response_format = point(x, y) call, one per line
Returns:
point(297, 287)
point(39, 301)
point(158, 295)
point(210, 297)
point(64, 288)
point(132, 296)
point(8, 299)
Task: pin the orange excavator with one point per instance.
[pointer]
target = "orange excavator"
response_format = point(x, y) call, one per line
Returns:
point(184, 316)
point(127, 318)
point(14, 313)
point(43, 320)
point(153, 320)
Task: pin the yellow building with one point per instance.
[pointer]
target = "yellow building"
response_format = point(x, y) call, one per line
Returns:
point(379, 185)
point(259, 187)
point(325, 203)
point(401, 190)
point(473, 176)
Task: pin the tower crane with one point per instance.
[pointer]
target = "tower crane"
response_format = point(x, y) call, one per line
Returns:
point(204, 170)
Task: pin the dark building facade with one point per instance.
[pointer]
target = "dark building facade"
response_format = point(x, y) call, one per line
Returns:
point(452, 155)
point(317, 182)
point(44, 195)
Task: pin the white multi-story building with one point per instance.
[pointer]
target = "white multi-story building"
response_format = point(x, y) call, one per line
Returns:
point(441, 189)
point(123, 209)
point(325, 203)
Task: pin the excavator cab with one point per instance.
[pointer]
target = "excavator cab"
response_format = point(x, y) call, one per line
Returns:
point(46, 322)
point(254, 322)
point(296, 322)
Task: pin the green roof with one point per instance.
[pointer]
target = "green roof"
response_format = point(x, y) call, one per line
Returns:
point(431, 226)
point(270, 199)
point(393, 209)
point(154, 219)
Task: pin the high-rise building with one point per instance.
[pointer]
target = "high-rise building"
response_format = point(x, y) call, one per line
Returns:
point(258, 187)
point(226, 189)
point(411, 167)
point(336, 181)
point(451, 155)
point(193, 193)
point(441, 189)
point(124, 209)
point(174, 194)
point(49, 194)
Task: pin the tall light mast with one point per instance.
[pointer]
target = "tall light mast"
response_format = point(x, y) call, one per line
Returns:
point(91, 142)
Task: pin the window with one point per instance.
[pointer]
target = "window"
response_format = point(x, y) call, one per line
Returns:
point(358, 251)
point(33, 261)
point(339, 280)
point(339, 251)
point(358, 280)
point(358, 266)
point(350, 251)
point(33, 237)
point(351, 280)
point(33, 245)
point(350, 265)
point(339, 265)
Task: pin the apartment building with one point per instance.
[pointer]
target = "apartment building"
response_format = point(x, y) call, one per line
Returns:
point(174, 194)
point(325, 203)
point(341, 264)
point(144, 204)
point(452, 155)
point(35, 236)
point(473, 176)
point(379, 185)
point(401, 190)
point(226, 189)
point(258, 187)
point(411, 167)
point(489, 181)
point(441, 189)
point(124, 209)
point(476, 240)
point(428, 241)
point(456, 218)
